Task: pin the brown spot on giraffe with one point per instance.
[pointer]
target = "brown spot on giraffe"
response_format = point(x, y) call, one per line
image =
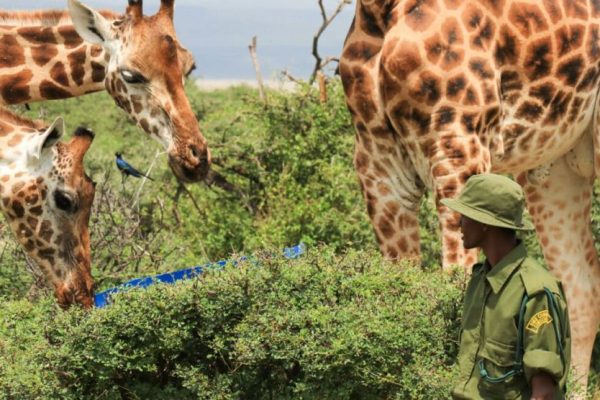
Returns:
point(136, 101)
point(36, 35)
point(43, 54)
point(420, 14)
point(570, 70)
point(59, 74)
point(46, 232)
point(507, 47)
point(12, 54)
point(14, 87)
point(32, 223)
point(401, 60)
point(77, 60)
point(51, 91)
point(71, 39)
point(98, 72)
point(144, 124)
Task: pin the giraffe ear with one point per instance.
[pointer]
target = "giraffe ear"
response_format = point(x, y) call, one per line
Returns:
point(46, 140)
point(89, 24)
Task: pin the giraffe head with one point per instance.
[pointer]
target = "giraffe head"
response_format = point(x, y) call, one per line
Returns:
point(145, 75)
point(46, 198)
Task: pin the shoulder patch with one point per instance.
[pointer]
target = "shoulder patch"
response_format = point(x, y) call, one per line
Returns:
point(538, 320)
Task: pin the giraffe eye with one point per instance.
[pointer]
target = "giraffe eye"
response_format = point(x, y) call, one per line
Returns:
point(64, 201)
point(133, 77)
point(189, 72)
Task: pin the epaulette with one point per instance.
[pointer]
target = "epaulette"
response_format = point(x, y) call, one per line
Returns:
point(535, 278)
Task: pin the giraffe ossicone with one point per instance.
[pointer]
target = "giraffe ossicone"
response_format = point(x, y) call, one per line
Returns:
point(46, 198)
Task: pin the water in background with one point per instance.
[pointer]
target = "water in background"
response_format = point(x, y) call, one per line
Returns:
point(220, 40)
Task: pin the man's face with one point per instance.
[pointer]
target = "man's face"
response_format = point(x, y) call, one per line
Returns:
point(473, 232)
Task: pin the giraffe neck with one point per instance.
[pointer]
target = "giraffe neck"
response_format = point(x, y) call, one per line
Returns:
point(45, 59)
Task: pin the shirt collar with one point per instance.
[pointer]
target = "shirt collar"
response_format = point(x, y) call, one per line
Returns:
point(500, 273)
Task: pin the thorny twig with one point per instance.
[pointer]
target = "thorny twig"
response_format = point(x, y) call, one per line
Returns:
point(123, 236)
point(136, 198)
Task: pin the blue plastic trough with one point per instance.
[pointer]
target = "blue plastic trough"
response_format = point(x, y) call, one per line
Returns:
point(103, 298)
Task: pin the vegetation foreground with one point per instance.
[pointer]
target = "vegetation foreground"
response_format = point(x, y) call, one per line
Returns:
point(338, 323)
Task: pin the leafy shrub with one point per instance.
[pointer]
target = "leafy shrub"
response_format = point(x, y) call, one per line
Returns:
point(320, 327)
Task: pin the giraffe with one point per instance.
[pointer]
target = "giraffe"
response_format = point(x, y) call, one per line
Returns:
point(440, 90)
point(46, 199)
point(49, 55)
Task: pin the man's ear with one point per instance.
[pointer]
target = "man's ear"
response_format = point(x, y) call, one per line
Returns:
point(89, 24)
point(46, 140)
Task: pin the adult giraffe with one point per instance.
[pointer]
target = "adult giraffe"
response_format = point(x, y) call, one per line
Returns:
point(46, 198)
point(49, 55)
point(443, 89)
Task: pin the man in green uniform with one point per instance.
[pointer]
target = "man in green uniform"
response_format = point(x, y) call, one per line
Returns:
point(515, 338)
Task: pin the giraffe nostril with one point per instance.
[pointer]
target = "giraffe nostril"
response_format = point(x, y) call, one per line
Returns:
point(192, 165)
point(195, 152)
point(198, 157)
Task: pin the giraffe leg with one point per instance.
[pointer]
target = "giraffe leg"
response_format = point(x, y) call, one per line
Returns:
point(453, 252)
point(559, 202)
point(457, 157)
point(391, 189)
point(388, 179)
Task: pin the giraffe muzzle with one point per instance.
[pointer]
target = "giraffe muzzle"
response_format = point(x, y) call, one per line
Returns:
point(192, 165)
point(78, 288)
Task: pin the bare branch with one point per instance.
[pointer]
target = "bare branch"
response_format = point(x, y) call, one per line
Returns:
point(136, 198)
point(329, 60)
point(326, 22)
point(322, 87)
point(289, 76)
point(261, 88)
point(235, 170)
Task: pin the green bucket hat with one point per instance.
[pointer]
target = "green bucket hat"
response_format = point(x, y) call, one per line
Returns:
point(492, 200)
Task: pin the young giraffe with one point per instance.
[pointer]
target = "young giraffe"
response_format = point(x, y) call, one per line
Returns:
point(53, 55)
point(46, 198)
point(440, 90)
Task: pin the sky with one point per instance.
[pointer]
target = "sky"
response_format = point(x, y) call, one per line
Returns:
point(218, 32)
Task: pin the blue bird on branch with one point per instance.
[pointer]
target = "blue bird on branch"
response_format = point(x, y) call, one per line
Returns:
point(127, 169)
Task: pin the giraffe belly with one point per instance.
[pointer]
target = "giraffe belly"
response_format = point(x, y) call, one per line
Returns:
point(529, 146)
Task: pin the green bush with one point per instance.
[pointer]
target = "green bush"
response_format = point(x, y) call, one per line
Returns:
point(320, 327)
point(292, 159)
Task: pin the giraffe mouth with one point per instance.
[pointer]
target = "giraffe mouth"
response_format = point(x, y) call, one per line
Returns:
point(77, 288)
point(187, 172)
point(67, 296)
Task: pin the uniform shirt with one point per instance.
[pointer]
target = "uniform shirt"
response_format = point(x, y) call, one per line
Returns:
point(489, 329)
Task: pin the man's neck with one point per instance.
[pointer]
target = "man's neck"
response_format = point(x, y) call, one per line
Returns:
point(497, 248)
